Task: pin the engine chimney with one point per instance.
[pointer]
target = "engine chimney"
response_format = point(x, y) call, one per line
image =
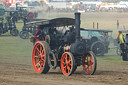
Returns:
point(78, 47)
point(77, 22)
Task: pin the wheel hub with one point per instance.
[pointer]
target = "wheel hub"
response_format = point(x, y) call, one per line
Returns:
point(90, 63)
point(39, 57)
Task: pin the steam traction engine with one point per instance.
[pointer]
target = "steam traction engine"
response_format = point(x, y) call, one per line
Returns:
point(9, 24)
point(57, 43)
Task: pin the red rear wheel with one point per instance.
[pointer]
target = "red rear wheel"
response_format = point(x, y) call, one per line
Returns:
point(39, 57)
point(67, 63)
point(89, 63)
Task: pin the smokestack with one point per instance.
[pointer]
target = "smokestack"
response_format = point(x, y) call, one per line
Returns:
point(77, 20)
point(78, 47)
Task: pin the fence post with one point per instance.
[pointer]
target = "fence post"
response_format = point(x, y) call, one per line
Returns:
point(97, 25)
point(93, 25)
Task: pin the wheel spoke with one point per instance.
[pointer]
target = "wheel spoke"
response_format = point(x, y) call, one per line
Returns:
point(63, 62)
point(37, 60)
point(37, 49)
point(40, 47)
point(35, 56)
point(38, 65)
point(65, 67)
point(43, 55)
point(69, 68)
point(91, 58)
point(42, 63)
point(43, 59)
point(92, 63)
point(91, 68)
point(42, 52)
point(88, 69)
point(69, 62)
point(66, 58)
point(38, 52)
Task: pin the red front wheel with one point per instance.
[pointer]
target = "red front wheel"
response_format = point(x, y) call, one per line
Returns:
point(89, 63)
point(67, 63)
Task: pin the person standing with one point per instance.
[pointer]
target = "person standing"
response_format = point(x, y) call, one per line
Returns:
point(117, 24)
point(121, 41)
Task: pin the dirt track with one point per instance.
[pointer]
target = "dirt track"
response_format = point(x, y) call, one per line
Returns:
point(22, 74)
